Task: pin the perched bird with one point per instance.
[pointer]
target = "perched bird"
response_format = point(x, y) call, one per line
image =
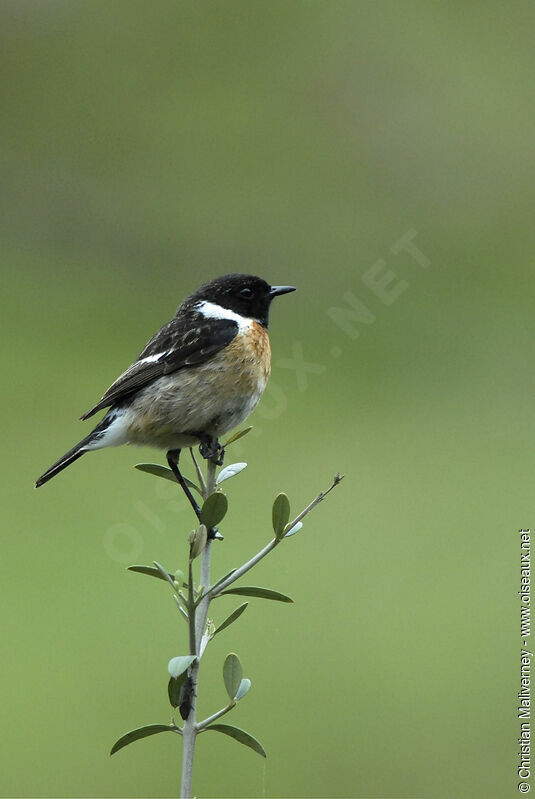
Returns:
point(198, 377)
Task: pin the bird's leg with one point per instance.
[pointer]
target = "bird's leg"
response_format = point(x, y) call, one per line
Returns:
point(211, 450)
point(172, 459)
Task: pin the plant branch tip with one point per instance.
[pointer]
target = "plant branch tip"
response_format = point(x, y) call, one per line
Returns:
point(337, 479)
point(193, 603)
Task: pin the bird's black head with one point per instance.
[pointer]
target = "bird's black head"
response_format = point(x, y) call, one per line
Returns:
point(246, 295)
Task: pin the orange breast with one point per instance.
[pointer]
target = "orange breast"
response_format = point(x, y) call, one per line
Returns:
point(248, 361)
point(261, 347)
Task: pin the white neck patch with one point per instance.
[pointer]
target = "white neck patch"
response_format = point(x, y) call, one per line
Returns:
point(212, 311)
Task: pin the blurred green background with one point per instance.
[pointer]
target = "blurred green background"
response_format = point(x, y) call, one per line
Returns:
point(147, 147)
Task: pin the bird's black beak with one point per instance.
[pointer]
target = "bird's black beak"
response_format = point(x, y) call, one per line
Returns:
point(276, 290)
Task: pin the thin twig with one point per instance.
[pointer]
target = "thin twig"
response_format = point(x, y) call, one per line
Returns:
point(272, 544)
point(197, 621)
point(200, 475)
point(203, 724)
point(182, 611)
point(191, 610)
point(243, 569)
point(321, 496)
point(198, 615)
point(202, 608)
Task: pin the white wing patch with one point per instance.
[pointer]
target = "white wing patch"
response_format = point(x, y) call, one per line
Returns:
point(212, 311)
point(153, 358)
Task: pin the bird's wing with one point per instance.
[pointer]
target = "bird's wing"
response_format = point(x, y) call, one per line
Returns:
point(179, 344)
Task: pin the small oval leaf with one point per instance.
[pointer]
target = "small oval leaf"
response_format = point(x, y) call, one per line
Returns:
point(214, 509)
point(280, 514)
point(233, 616)
point(174, 688)
point(262, 593)
point(230, 471)
point(237, 436)
point(198, 541)
point(178, 665)
point(243, 689)
point(292, 530)
point(239, 735)
point(163, 471)
point(141, 732)
point(232, 674)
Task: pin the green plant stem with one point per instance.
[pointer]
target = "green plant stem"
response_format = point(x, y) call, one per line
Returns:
point(211, 594)
point(200, 476)
point(197, 621)
point(202, 608)
point(191, 610)
point(245, 568)
point(189, 734)
point(203, 724)
point(181, 609)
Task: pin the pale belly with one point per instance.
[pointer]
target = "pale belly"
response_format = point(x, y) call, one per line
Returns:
point(209, 399)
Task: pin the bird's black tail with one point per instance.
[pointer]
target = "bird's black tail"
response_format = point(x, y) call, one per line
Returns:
point(69, 457)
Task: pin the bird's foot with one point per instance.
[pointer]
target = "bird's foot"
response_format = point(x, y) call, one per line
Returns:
point(211, 450)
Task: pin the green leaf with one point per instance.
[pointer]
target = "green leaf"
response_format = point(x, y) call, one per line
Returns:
point(181, 609)
point(280, 514)
point(233, 616)
point(262, 593)
point(232, 674)
point(165, 574)
point(178, 665)
point(197, 541)
point(230, 471)
point(141, 732)
point(163, 471)
point(243, 689)
point(288, 531)
point(214, 509)
point(152, 571)
point(161, 574)
point(239, 735)
point(173, 689)
point(236, 436)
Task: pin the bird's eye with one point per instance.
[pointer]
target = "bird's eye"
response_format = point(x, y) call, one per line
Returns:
point(246, 293)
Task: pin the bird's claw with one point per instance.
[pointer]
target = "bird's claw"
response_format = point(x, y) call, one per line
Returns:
point(212, 450)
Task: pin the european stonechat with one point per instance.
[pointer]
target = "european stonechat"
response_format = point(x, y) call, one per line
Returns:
point(197, 378)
